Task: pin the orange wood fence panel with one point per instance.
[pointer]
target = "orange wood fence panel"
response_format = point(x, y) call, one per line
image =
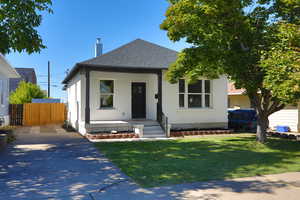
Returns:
point(43, 113)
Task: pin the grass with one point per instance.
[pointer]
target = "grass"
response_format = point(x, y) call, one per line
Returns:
point(201, 159)
point(8, 130)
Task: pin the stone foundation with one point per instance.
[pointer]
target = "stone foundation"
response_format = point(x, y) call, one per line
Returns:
point(111, 136)
point(176, 133)
point(287, 135)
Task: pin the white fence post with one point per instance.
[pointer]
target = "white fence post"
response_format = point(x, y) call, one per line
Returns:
point(169, 130)
point(139, 129)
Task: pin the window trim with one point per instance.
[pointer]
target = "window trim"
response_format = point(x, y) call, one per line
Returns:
point(182, 93)
point(203, 95)
point(2, 92)
point(108, 94)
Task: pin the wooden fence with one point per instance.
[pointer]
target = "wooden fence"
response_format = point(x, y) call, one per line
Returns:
point(31, 114)
point(44, 113)
point(16, 114)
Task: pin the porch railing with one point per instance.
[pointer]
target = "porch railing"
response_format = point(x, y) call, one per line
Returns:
point(162, 119)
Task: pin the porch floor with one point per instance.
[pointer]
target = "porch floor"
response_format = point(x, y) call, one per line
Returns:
point(151, 129)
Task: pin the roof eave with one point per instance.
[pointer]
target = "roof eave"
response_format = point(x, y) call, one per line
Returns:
point(106, 67)
point(9, 71)
point(71, 74)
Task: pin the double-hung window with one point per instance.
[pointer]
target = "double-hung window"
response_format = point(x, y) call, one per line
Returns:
point(195, 95)
point(106, 94)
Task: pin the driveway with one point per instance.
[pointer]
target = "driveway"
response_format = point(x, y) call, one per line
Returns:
point(49, 163)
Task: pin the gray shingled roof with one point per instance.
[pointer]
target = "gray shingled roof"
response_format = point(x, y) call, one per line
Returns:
point(27, 74)
point(136, 54)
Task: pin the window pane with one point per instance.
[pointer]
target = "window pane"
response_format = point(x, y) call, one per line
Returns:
point(195, 101)
point(107, 86)
point(181, 100)
point(181, 86)
point(195, 87)
point(207, 86)
point(106, 101)
point(207, 101)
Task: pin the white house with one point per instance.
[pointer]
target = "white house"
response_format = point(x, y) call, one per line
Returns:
point(6, 72)
point(126, 86)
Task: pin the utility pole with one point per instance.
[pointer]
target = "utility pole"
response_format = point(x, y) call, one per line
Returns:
point(48, 79)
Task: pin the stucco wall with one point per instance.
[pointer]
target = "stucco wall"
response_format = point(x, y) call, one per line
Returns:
point(241, 101)
point(216, 116)
point(5, 103)
point(213, 117)
point(122, 95)
point(74, 101)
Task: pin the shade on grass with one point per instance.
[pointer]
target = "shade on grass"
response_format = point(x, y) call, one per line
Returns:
point(200, 159)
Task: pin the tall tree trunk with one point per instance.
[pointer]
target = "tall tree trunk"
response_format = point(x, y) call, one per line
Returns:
point(262, 126)
point(264, 106)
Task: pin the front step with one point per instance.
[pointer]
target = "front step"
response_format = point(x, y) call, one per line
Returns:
point(153, 132)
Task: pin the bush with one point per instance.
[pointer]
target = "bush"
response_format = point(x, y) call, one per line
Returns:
point(25, 93)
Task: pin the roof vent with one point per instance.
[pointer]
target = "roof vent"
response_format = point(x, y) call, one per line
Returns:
point(98, 47)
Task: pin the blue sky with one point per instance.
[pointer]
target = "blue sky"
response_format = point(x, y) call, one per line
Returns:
point(71, 31)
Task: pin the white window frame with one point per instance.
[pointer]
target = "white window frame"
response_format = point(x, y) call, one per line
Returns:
point(203, 94)
point(1, 92)
point(113, 94)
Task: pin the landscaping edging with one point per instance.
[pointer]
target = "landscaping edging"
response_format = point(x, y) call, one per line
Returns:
point(112, 136)
point(198, 132)
point(287, 135)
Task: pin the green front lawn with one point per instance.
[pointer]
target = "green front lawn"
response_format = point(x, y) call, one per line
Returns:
point(201, 159)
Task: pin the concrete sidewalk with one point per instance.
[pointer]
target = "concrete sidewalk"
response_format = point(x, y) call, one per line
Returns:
point(270, 187)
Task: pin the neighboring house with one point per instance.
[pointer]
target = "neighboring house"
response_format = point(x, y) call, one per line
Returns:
point(289, 116)
point(27, 75)
point(6, 72)
point(237, 97)
point(128, 86)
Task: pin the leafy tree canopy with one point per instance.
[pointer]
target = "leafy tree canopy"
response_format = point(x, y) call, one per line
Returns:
point(256, 43)
point(25, 93)
point(18, 22)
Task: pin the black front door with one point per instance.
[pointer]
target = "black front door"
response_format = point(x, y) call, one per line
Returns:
point(138, 100)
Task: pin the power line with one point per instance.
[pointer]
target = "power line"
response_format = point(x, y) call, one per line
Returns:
point(45, 75)
point(47, 82)
point(48, 79)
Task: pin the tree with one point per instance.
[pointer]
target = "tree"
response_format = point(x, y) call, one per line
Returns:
point(256, 43)
point(18, 23)
point(25, 93)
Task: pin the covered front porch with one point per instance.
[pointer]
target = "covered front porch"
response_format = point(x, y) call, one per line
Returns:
point(121, 99)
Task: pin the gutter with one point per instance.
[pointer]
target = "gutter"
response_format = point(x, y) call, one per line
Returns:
point(79, 66)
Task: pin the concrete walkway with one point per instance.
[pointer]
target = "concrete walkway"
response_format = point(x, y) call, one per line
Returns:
point(48, 163)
